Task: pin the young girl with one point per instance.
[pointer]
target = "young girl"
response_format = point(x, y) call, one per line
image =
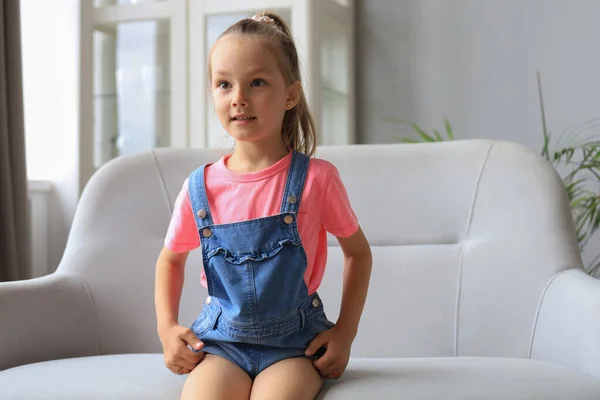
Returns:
point(260, 216)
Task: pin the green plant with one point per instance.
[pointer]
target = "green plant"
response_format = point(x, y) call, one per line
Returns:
point(425, 137)
point(578, 153)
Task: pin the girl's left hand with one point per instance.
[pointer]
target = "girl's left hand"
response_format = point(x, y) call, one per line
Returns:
point(333, 363)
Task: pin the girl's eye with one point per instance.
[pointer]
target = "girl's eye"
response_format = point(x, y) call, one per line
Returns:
point(258, 83)
point(223, 85)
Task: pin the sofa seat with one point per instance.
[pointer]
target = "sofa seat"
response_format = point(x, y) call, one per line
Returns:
point(143, 376)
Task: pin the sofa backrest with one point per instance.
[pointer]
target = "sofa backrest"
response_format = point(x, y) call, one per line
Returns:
point(465, 235)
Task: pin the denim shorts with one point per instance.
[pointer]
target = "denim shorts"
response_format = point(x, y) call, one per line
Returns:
point(255, 348)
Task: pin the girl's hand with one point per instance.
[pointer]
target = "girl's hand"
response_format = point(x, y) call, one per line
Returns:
point(179, 358)
point(333, 363)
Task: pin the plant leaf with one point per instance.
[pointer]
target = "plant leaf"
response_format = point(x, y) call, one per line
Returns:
point(422, 134)
point(594, 266)
point(449, 129)
point(545, 151)
point(409, 140)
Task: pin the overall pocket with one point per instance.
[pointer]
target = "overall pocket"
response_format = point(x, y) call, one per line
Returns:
point(207, 320)
point(317, 322)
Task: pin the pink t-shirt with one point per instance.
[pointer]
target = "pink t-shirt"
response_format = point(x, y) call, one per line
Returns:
point(235, 197)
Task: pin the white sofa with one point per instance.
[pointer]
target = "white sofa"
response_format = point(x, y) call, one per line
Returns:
point(476, 293)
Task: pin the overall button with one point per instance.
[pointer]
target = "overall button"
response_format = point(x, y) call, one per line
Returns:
point(206, 232)
point(292, 199)
point(201, 213)
point(288, 219)
point(315, 302)
point(208, 300)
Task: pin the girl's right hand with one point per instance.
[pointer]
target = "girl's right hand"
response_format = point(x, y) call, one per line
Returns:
point(179, 358)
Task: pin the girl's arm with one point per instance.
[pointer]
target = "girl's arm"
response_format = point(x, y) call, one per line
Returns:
point(170, 268)
point(338, 340)
point(357, 273)
point(174, 338)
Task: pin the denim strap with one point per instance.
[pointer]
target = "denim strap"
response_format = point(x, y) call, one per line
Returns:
point(199, 198)
point(295, 183)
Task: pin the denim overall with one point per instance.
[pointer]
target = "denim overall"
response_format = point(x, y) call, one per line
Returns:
point(258, 311)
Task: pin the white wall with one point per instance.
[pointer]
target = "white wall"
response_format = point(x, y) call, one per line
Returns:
point(50, 38)
point(475, 62)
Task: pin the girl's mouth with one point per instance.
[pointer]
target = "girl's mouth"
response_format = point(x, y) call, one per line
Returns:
point(242, 120)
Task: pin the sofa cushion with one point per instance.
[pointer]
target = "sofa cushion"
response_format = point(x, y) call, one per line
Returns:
point(143, 376)
point(460, 378)
point(123, 376)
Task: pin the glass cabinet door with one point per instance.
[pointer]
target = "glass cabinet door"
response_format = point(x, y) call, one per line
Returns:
point(131, 89)
point(334, 35)
point(137, 78)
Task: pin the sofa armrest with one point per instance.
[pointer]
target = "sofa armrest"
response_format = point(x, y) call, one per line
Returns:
point(567, 330)
point(44, 319)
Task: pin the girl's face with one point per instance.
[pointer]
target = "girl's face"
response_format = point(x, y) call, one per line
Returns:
point(249, 91)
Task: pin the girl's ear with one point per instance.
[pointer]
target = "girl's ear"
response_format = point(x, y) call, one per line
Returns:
point(294, 94)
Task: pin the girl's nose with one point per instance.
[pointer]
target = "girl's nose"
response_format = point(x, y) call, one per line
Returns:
point(239, 99)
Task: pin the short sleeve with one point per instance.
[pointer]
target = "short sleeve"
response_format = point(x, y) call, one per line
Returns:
point(338, 216)
point(182, 234)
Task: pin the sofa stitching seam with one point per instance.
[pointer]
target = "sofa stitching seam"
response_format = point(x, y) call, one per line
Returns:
point(94, 312)
point(462, 249)
point(163, 183)
point(539, 310)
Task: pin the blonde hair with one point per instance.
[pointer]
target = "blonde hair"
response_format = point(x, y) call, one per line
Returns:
point(298, 130)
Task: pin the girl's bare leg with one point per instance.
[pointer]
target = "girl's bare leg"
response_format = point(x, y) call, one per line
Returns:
point(216, 378)
point(291, 379)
